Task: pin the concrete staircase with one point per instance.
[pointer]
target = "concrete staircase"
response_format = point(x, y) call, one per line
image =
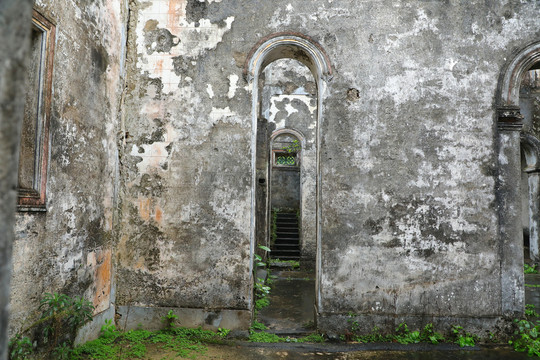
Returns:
point(287, 243)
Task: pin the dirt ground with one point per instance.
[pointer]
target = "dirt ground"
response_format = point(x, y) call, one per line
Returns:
point(343, 352)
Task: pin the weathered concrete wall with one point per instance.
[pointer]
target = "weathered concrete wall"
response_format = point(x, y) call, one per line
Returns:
point(402, 167)
point(186, 164)
point(286, 189)
point(15, 17)
point(415, 182)
point(407, 159)
point(68, 247)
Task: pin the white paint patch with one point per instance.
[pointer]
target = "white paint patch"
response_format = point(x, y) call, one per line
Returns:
point(233, 85)
point(194, 39)
point(290, 109)
point(154, 155)
point(210, 91)
point(223, 114)
point(276, 99)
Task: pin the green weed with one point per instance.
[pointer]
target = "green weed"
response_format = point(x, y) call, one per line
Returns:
point(20, 347)
point(60, 318)
point(463, 338)
point(258, 326)
point(528, 269)
point(115, 345)
point(169, 320)
point(294, 264)
point(530, 311)
point(313, 338)
point(223, 332)
point(263, 337)
point(526, 337)
point(261, 303)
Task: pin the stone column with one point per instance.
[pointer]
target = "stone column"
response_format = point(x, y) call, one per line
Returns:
point(509, 202)
point(533, 179)
point(15, 25)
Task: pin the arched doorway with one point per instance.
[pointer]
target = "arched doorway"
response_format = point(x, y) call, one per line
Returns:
point(297, 47)
point(511, 187)
point(530, 197)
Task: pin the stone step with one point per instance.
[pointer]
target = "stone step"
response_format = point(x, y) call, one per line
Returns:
point(286, 247)
point(284, 255)
point(292, 234)
point(287, 223)
point(287, 244)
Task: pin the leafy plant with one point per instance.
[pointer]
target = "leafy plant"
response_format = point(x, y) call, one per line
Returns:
point(261, 303)
point(223, 332)
point(428, 334)
point(463, 338)
point(404, 336)
point(60, 318)
point(258, 326)
point(264, 337)
point(294, 147)
point(526, 337)
point(528, 269)
point(62, 352)
point(59, 310)
point(116, 345)
point(258, 258)
point(108, 331)
point(294, 264)
point(169, 320)
point(261, 289)
point(374, 336)
point(530, 311)
point(20, 347)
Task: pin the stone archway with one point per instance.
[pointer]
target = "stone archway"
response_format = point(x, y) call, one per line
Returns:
point(305, 50)
point(509, 121)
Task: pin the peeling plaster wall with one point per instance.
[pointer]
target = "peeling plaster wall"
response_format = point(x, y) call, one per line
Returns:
point(186, 164)
point(68, 248)
point(408, 158)
point(15, 42)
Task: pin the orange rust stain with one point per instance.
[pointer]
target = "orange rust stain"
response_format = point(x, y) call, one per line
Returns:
point(144, 209)
point(175, 12)
point(103, 274)
point(158, 214)
point(159, 66)
point(139, 264)
point(153, 109)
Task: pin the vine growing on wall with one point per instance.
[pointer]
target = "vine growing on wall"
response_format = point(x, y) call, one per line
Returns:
point(294, 147)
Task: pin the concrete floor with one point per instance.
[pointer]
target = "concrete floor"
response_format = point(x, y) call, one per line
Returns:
point(291, 312)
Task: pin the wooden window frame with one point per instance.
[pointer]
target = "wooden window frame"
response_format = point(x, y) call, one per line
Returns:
point(34, 199)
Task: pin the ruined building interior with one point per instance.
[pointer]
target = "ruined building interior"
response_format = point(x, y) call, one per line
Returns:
point(157, 139)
